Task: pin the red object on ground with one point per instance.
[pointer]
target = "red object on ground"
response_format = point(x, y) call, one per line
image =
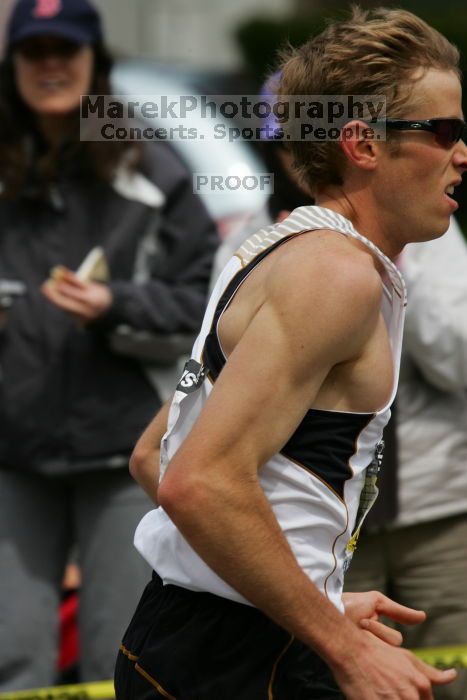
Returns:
point(69, 641)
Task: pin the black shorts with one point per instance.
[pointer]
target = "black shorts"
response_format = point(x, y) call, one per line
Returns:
point(183, 645)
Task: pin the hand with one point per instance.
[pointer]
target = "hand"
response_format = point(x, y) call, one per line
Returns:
point(365, 608)
point(71, 577)
point(374, 670)
point(87, 301)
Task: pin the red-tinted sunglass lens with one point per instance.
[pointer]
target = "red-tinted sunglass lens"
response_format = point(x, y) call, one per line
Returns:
point(448, 131)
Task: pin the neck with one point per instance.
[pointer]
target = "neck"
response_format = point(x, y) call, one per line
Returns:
point(360, 209)
point(54, 128)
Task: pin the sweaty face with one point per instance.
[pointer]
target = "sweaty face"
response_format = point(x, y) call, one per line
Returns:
point(416, 179)
point(52, 73)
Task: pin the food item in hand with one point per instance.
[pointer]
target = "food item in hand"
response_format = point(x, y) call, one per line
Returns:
point(93, 268)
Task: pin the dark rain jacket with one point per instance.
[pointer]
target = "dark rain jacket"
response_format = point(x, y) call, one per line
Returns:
point(76, 397)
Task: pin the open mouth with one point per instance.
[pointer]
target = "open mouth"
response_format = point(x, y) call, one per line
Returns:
point(449, 194)
point(52, 84)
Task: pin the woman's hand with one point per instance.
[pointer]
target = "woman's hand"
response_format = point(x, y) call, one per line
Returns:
point(85, 300)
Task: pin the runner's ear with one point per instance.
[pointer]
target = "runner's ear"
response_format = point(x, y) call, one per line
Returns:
point(358, 141)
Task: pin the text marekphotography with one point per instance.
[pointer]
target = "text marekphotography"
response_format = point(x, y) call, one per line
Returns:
point(231, 117)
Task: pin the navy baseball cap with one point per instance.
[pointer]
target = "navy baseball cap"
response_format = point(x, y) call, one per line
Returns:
point(76, 20)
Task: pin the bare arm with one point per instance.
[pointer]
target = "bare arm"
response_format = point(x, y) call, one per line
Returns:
point(211, 488)
point(144, 462)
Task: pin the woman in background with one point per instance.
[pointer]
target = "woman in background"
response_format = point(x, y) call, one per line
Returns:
point(71, 407)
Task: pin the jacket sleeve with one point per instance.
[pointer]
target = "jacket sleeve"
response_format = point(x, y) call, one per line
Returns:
point(173, 300)
point(435, 334)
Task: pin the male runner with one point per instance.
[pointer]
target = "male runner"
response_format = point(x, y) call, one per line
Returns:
point(268, 447)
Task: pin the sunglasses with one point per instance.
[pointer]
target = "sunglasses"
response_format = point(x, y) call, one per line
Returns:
point(38, 49)
point(447, 131)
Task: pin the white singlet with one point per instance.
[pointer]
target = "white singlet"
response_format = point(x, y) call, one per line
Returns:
point(322, 483)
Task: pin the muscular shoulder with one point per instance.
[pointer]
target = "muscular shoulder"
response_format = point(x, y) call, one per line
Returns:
point(322, 281)
point(323, 264)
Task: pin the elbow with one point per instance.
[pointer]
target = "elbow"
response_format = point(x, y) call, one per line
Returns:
point(167, 496)
point(138, 461)
point(174, 496)
point(181, 496)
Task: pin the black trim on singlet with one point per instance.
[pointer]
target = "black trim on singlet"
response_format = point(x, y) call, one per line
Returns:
point(324, 442)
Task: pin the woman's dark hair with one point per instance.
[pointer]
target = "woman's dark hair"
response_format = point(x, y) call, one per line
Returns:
point(23, 153)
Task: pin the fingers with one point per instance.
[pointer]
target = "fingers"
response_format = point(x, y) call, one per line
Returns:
point(444, 677)
point(60, 273)
point(71, 291)
point(399, 613)
point(383, 632)
point(424, 689)
point(88, 300)
point(359, 606)
point(64, 301)
point(436, 676)
point(65, 289)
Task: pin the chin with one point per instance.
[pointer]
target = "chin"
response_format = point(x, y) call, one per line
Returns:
point(437, 230)
point(56, 107)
